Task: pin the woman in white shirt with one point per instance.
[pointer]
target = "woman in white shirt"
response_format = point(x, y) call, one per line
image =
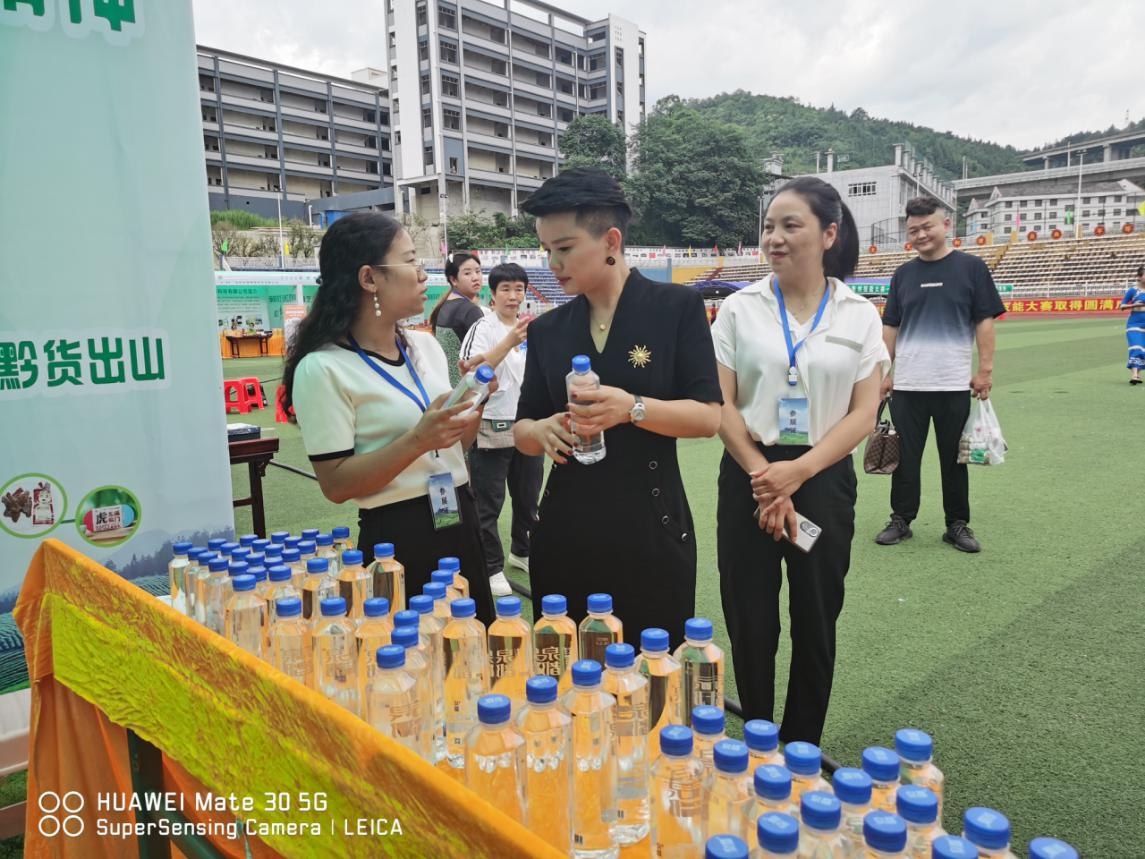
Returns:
point(368, 396)
point(801, 358)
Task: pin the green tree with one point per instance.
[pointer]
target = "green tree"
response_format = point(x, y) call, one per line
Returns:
point(481, 230)
point(303, 239)
point(593, 141)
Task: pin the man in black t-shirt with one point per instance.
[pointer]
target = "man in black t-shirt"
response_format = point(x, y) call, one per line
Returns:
point(938, 306)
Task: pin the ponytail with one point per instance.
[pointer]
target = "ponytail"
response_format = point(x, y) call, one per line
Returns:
point(839, 260)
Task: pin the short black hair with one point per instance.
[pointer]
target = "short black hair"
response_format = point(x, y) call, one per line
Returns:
point(507, 271)
point(920, 207)
point(595, 197)
point(1140, 270)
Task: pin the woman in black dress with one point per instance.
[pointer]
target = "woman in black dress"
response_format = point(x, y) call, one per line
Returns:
point(622, 525)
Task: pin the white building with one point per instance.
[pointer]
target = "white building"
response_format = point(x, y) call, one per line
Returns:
point(1041, 206)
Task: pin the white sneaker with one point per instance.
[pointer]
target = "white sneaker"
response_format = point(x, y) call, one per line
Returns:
point(518, 562)
point(500, 585)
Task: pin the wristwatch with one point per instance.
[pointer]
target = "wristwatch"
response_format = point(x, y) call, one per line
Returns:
point(636, 413)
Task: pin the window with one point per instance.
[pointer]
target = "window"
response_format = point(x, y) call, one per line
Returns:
point(1085, 199)
point(564, 57)
point(421, 16)
point(454, 167)
point(427, 156)
point(448, 52)
point(446, 18)
point(498, 67)
point(1008, 230)
point(1054, 201)
point(620, 56)
point(1037, 216)
point(209, 114)
point(423, 51)
point(424, 84)
point(861, 189)
point(270, 152)
point(449, 85)
point(423, 190)
point(266, 95)
point(596, 63)
point(1117, 199)
point(1116, 213)
point(565, 86)
point(211, 144)
point(370, 116)
point(544, 139)
point(543, 80)
point(1053, 215)
point(387, 168)
point(1009, 204)
point(323, 160)
point(565, 115)
point(451, 119)
point(206, 83)
point(496, 34)
point(1085, 212)
point(372, 167)
point(1008, 218)
point(1023, 204)
point(319, 107)
point(426, 118)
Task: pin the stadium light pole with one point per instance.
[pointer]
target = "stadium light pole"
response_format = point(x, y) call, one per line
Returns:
point(1077, 205)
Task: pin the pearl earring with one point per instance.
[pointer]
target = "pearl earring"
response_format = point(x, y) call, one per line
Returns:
point(377, 306)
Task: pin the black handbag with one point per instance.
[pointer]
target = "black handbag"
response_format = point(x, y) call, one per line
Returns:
point(882, 453)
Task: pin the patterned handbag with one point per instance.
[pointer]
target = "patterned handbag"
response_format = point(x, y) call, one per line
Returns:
point(882, 453)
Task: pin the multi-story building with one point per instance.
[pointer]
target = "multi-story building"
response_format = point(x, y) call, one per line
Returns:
point(482, 92)
point(276, 135)
point(1042, 206)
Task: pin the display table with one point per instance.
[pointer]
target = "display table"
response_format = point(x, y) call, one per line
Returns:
point(131, 697)
point(249, 344)
point(257, 454)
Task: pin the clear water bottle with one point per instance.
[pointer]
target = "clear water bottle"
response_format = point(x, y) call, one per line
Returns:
point(853, 790)
point(820, 837)
point(317, 587)
point(437, 592)
point(342, 539)
point(227, 548)
point(918, 807)
point(703, 664)
point(630, 732)
point(431, 626)
point(679, 800)
point(215, 544)
point(355, 585)
point(290, 640)
point(373, 632)
point(216, 589)
point(454, 566)
point(777, 835)
point(916, 750)
point(805, 762)
point(708, 726)
point(335, 670)
point(989, 831)
point(592, 711)
point(474, 382)
point(245, 616)
point(310, 534)
point(725, 847)
point(590, 449)
point(389, 576)
point(446, 578)
point(665, 693)
point(495, 757)
point(510, 651)
point(177, 574)
point(730, 790)
point(417, 666)
point(293, 559)
point(466, 680)
point(247, 540)
point(278, 538)
point(291, 542)
point(1051, 848)
point(772, 786)
point(307, 549)
point(953, 847)
point(547, 731)
point(599, 629)
point(885, 835)
point(280, 585)
point(260, 545)
point(882, 765)
point(762, 738)
point(392, 703)
point(324, 548)
point(196, 569)
point(555, 641)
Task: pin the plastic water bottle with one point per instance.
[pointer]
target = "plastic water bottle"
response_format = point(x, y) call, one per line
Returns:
point(355, 585)
point(317, 587)
point(882, 765)
point(592, 711)
point(476, 381)
point(260, 545)
point(392, 703)
point(599, 629)
point(510, 651)
point(278, 538)
point(309, 533)
point(725, 847)
point(853, 790)
point(679, 798)
point(762, 739)
point(586, 449)
point(1051, 848)
point(730, 790)
point(495, 757)
point(216, 543)
point(953, 847)
point(261, 580)
point(335, 670)
point(708, 725)
point(247, 540)
point(216, 589)
point(342, 540)
point(191, 578)
point(466, 680)
point(389, 576)
point(432, 627)
point(437, 592)
point(293, 559)
point(307, 549)
point(555, 641)
point(665, 693)
point(226, 548)
point(547, 731)
point(886, 835)
point(630, 732)
point(703, 664)
point(325, 549)
point(916, 750)
point(418, 667)
point(245, 616)
point(989, 831)
point(806, 763)
point(446, 578)
point(290, 640)
point(918, 807)
point(292, 542)
point(454, 566)
point(177, 574)
point(280, 585)
point(373, 632)
point(820, 837)
point(772, 786)
point(778, 835)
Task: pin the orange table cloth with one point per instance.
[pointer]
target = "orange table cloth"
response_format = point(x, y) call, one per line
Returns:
point(104, 656)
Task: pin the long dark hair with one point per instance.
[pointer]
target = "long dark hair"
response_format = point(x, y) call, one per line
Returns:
point(363, 238)
point(452, 270)
point(841, 258)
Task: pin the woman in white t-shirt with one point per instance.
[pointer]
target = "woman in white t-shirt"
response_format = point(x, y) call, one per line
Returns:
point(801, 358)
point(368, 394)
point(499, 340)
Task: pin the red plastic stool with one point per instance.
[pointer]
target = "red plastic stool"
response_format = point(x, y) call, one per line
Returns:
point(280, 414)
point(254, 392)
point(235, 397)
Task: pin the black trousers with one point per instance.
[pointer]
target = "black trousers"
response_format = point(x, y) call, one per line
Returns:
point(751, 577)
point(912, 412)
point(409, 526)
point(491, 469)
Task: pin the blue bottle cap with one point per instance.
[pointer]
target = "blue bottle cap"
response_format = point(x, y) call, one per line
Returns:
point(451, 563)
point(952, 847)
point(619, 655)
point(216, 543)
point(778, 832)
point(581, 364)
point(707, 720)
point(241, 553)
point(422, 603)
point(820, 810)
point(914, 745)
point(318, 565)
point(195, 553)
point(484, 374)
point(406, 636)
point(462, 608)
point(258, 571)
point(217, 564)
point(434, 590)
point(391, 656)
point(377, 607)
point(698, 629)
point(256, 559)
point(772, 782)
point(310, 533)
point(292, 542)
point(237, 568)
point(182, 547)
point(291, 556)
point(541, 689)
point(761, 735)
point(654, 640)
point(288, 607)
point(333, 606)
point(351, 557)
point(273, 559)
point(881, 764)
point(279, 537)
point(730, 756)
point(228, 547)
point(987, 828)
point(916, 804)
point(324, 540)
point(675, 740)
point(600, 603)
point(585, 672)
point(509, 607)
point(803, 758)
point(411, 618)
point(554, 604)
point(725, 847)
point(884, 831)
point(442, 577)
point(340, 532)
point(852, 786)
point(307, 547)
point(243, 583)
point(260, 545)
point(247, 539)
point(383, 550)
point(493, 709)
point(1051, 848)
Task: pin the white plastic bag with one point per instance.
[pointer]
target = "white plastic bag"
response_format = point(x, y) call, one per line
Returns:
point(982, 442)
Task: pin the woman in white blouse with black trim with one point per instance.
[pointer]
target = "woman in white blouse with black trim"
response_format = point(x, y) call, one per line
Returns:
point(800, 359)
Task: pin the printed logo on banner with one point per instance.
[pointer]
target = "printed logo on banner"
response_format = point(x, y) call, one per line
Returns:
point(58, 363)
point(118, 21)
point(60, 814)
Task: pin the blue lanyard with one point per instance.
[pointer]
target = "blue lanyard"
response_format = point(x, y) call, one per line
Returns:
point(422, 402)
point(792, 348)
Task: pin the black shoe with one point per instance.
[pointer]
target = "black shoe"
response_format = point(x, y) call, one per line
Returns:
point(897, 530)
point(1135, 381)
point(961, 538)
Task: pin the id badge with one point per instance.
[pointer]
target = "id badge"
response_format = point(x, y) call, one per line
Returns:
point(794, 421)
point(443, 501)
